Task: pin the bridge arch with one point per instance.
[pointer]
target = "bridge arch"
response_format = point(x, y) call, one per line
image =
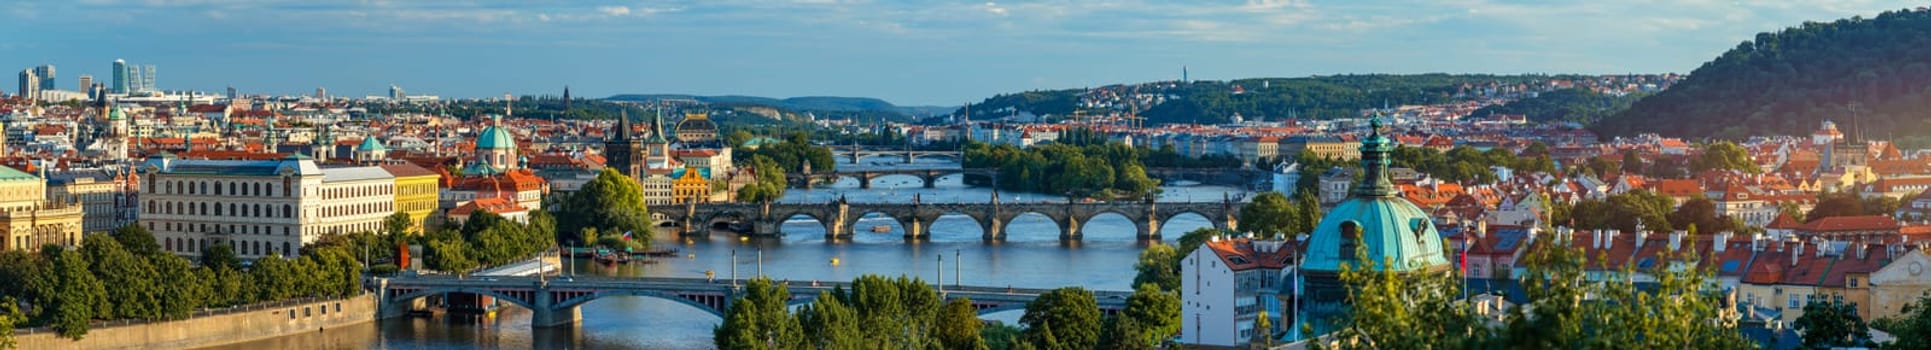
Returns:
point(714, 310)
point(526, 304)
point(1087, 230)
point(1008, 219)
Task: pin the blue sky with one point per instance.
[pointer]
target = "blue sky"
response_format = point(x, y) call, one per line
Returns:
point(910, 52)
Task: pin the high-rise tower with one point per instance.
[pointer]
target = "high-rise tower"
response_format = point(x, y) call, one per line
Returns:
point(120, 77)
point(29, 84)
point(46, 74)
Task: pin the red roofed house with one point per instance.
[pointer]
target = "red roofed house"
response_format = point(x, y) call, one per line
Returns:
point(1227, 283)
point(500, 207)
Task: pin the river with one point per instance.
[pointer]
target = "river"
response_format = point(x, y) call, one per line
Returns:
point(1031, 256)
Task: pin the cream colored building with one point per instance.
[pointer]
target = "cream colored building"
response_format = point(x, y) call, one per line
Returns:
point(265, 207)
point(1899, 283)
point(107, 198)
point(30, 220)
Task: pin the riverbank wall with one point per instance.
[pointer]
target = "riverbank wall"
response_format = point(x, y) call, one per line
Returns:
point(214, 327)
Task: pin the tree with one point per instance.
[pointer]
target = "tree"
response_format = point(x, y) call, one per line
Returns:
point(1000, 336)
point(1724, 155)
point(611, 203)
point(759, 320)
point(1632, 163)
point(137, 240)
point(1912, 328)
point(220, 255)
point(1122, 333)
point(1270, 215)
point(1193, 239)
point(398, 224)
point(1394, 309)
point(1159, 266)
point(183, 291)
point(829, 324)
point(78, 297)
point(1699, 212)
point(129, 280)
point(1832, 324)
point(1154, 312)
point(1065, 318)
point(447, 255)
point(958, 326)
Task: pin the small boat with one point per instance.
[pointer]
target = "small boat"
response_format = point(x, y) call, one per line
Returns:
point(881, 228)
point(834, 261)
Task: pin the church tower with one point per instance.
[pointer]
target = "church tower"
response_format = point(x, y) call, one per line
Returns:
point(1374, 225)
point(657, 147)
point(623, 152)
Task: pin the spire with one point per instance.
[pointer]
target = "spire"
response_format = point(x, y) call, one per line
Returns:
point(1375, 151)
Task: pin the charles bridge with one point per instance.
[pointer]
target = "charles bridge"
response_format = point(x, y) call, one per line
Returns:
point(838, 217)
point(556, 301)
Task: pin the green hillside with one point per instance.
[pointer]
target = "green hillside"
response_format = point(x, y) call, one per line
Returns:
point(1317, 97)
point(1787, 82)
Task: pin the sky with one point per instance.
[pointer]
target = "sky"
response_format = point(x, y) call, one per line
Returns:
point(909, 52)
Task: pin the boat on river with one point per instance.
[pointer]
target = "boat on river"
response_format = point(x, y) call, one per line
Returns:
point(881, 228)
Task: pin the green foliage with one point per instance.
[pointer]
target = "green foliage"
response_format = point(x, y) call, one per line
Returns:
point(1272, 215)
point(1190, 241)
point(1624, 211)
point(1831, 204)
point(1724, 155)
point(958, 326)
point(830, 324)
point(75, 297)
point(1700, 212)
point(220, 255)
point(1576, 105)
point(449, 254)
point(770, 184)
point(1000, 336)
point(1787, 82)
point(1466, 164)
point(1832, 324)
point(759, 320)
point(1088, 171)
point(1912, 328)
point(398, 224)
point(1391, 309)
point(793, 153)
point(1210, 102)
point(610, 203)
point(1154, 314)
point(1065, 318)
point(1159, 266)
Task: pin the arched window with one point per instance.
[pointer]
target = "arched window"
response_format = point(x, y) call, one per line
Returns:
point(217, 188)
point(1350, 239)
point(287, 183)
point(288, 211)
point(150, 206)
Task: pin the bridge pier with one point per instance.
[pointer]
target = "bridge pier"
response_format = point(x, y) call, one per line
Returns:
point(1150, 229)
point(995, 230)
point(1072, 230)
point(931, 180)
point(865, 180)
point(546, 314)
point(770, 228)
point(914, 228)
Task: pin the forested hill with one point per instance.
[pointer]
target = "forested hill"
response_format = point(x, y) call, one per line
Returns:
point(1786, 82)
point(1317, 97)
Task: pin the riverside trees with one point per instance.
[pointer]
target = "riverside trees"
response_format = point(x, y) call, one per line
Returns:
point(121, 275)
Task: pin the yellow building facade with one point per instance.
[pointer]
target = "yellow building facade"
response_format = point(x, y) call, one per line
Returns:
point(690, 186)
point(29, 220)
point(418, 193)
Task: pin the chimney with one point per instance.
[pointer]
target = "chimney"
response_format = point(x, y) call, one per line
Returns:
point(1676, 240)
point(1863, 251)
point(1640, 239)
point(1796, 252)
point(1756, 244)
point(1722, 240)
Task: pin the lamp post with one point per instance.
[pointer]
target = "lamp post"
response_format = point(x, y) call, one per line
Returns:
point(955, 269)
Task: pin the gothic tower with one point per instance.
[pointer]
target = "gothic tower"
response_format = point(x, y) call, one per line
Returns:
point(622, 151)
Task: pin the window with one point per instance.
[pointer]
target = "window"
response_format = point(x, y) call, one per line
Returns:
point(1794, 303)
point(1350, 239)
point(1851, 281)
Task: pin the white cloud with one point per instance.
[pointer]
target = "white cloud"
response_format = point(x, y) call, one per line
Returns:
point(614, 11)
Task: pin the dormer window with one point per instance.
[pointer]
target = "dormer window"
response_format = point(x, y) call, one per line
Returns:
point(1350, 239)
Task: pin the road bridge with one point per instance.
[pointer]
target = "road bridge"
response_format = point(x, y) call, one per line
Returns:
point(555, 301)
point(838, 217)
point(854, 153)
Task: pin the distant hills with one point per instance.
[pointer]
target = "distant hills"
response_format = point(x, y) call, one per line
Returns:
point(1870, 75)
point(1271, 99)
point(799, 104)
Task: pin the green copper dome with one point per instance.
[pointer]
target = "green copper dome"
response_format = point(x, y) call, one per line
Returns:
point(114, 113)
point(495, 138)
point(369, 144)
point(1376, 219)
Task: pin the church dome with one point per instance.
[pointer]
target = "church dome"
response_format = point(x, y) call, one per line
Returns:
point(495, 138)
point(1376, 220)
point(369, 144)
point(696, 127)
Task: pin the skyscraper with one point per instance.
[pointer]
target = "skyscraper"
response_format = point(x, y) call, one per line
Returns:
point(120, 76)
point(29, 84)
point(133, 79)
point(84, 83)
point(321, 93)
point(46, 74)
point(395, 92)
point(147, 78)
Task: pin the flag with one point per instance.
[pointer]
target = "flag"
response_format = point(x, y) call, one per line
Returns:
point(1465, 247)
point(626, 235)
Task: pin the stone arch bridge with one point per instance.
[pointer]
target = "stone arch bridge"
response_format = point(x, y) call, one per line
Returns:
point(854, 153)
point(838, 217)
point(555, 302)
point(929, 176)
